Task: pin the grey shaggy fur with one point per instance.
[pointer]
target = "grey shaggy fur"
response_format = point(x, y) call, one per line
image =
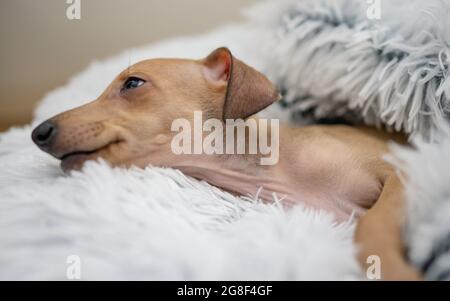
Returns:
point(332, 60)
point(427, 230)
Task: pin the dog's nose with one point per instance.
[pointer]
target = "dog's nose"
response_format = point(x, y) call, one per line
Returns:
point(43, 135)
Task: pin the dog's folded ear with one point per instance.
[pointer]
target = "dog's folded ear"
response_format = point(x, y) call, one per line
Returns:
point(247, 90)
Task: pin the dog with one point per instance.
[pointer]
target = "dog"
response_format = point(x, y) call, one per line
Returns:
point(337, 168)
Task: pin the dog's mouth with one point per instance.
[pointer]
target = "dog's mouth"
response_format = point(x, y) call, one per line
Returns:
point(73, 160)
point(80, 153)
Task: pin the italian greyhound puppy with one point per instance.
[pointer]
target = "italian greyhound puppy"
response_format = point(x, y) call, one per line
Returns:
point(335, 168)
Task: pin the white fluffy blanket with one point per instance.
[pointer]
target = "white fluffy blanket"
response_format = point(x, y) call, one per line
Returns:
point(157, 224)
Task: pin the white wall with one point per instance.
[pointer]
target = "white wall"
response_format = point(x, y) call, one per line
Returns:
point(40, 48)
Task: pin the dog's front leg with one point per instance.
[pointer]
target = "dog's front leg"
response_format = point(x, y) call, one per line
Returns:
point(379, 233)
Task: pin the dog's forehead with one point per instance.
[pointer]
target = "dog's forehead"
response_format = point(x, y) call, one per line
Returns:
point(158, 65)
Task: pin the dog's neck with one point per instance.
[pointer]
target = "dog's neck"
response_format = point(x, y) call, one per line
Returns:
point(237, 174)
point(240, 174)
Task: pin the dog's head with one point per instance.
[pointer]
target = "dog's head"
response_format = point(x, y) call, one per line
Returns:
point(130, 123)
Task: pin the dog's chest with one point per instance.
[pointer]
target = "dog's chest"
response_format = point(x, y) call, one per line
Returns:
point(332, 179)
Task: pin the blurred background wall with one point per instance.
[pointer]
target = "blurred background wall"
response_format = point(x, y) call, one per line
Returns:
point(40, 49)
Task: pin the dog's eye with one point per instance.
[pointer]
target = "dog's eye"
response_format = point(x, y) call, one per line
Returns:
point(132, 83)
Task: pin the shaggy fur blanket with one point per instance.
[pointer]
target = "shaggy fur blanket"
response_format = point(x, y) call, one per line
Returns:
point(381, 62)
point(157, 224)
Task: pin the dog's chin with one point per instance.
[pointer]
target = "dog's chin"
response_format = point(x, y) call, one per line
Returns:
point(76, 160)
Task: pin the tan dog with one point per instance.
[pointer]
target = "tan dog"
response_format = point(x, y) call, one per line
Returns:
point(335, 168)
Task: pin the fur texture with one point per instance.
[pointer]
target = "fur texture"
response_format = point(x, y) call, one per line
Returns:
point(427, 230)
point(332, 59)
